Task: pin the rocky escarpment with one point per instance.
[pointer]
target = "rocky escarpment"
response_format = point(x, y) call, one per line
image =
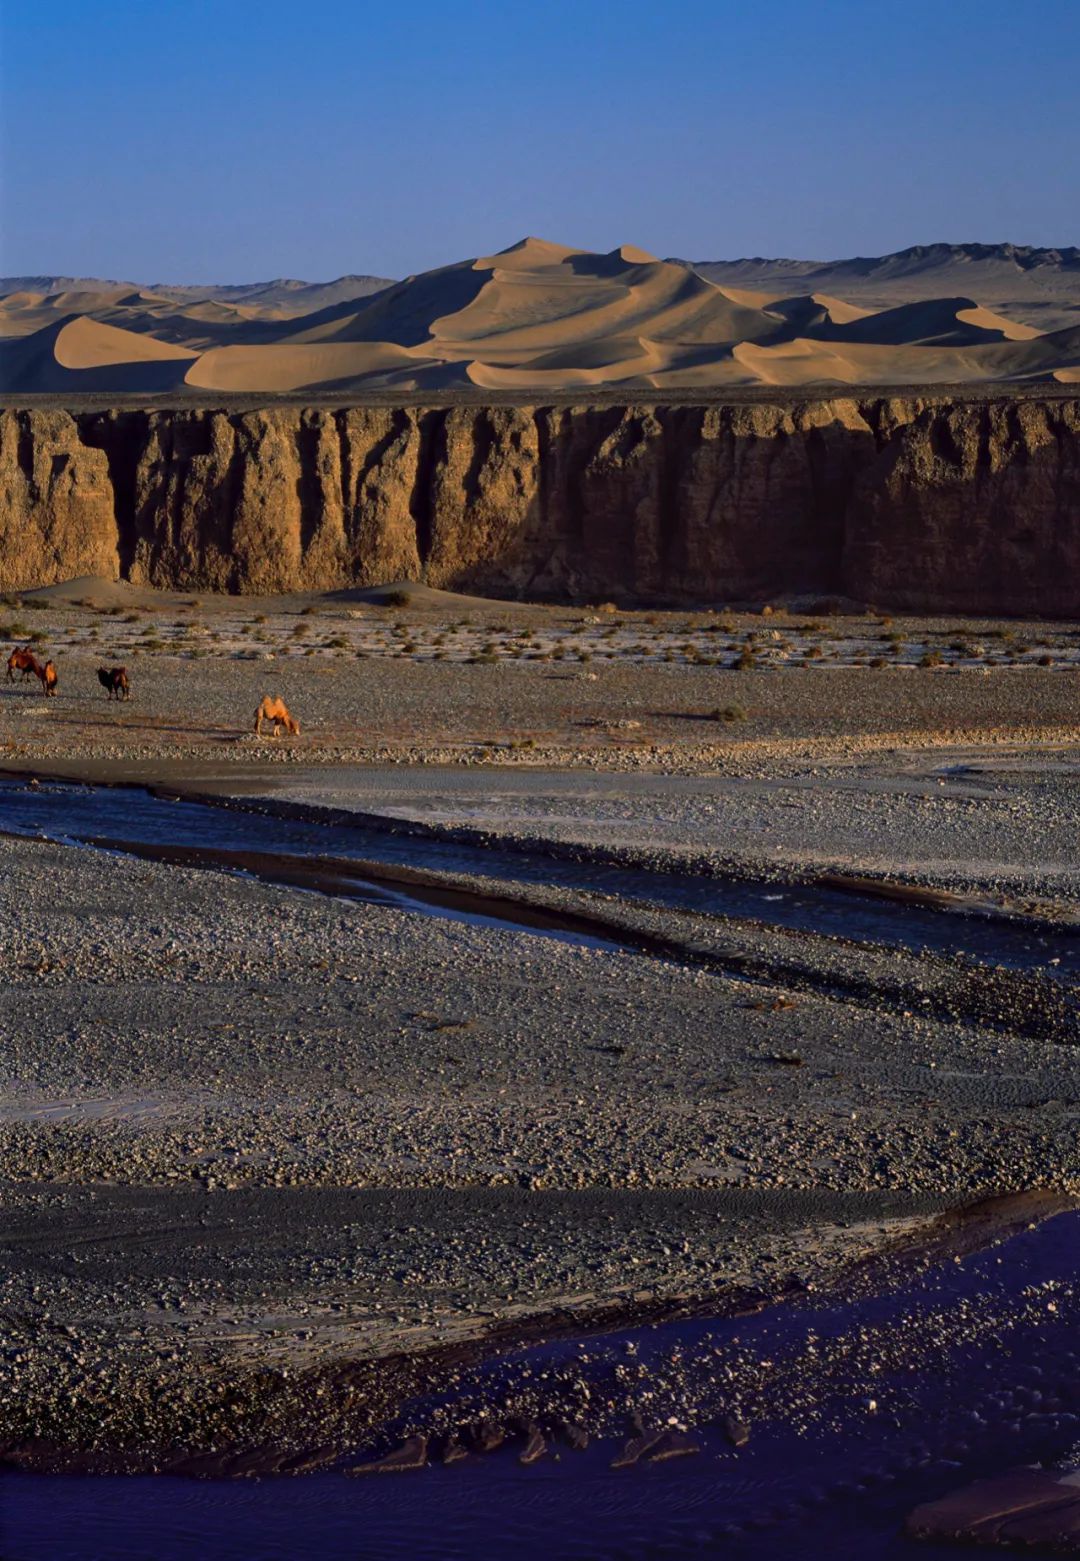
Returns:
point(920, 503)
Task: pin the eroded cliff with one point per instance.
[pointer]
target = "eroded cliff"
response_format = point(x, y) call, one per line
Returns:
point(916, 503)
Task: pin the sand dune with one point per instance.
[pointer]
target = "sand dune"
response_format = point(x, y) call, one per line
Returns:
point(82, 343)
point(81, 354)
point(537, 316)
point(1037, 287)
point(301, 366)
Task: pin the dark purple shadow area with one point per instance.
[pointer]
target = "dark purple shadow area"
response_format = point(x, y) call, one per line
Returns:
point(964, 1400)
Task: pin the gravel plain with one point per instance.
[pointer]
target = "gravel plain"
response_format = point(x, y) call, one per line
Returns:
point(253, 1136)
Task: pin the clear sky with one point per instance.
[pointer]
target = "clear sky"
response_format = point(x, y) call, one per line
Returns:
point(234, 140)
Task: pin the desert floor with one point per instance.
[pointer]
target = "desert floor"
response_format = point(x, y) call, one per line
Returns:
point(280, 1153)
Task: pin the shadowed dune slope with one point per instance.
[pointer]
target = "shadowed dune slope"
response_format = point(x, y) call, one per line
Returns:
point(544, 316)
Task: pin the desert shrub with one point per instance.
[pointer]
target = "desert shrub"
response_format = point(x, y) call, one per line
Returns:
point(729, 714)
point(932, 658)
point(394, 599)
point(745, 661)
point(484, 659)
point(878, 661)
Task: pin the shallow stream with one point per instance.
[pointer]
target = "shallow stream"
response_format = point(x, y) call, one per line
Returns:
point(382, 860)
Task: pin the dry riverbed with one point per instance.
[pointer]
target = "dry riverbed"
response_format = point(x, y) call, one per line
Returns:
point(272, 1157)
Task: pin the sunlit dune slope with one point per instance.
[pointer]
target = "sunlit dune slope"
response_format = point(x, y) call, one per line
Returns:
point(535, 317)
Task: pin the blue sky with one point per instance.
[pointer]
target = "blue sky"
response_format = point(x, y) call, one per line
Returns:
point(229, 140)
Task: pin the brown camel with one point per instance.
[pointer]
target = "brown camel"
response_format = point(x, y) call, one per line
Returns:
point(275, 711)
point(48, 677)
point(22, 659)
point(114, 680)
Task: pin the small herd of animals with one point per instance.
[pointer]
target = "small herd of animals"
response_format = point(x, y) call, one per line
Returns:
point(117, 685)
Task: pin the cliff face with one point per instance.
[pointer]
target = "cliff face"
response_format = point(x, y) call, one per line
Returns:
point(923, 504)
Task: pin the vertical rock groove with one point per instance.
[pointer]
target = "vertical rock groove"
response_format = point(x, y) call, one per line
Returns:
point(902, 501)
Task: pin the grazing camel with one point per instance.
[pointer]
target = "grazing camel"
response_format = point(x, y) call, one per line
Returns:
point(22, 659)
point(47, 674)
point(114, 680)
point(275, 711)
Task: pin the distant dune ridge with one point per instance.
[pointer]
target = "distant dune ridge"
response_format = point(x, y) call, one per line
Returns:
point(541, 316)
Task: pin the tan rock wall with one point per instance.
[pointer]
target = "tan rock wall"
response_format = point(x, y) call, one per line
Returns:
point(918, 503)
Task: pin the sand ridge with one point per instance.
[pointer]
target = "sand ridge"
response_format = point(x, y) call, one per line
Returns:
point(537, 315)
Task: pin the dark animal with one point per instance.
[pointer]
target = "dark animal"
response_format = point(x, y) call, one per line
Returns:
point(22, 659)
point(114, 680)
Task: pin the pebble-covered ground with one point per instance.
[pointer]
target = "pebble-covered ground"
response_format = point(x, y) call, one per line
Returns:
point(366, 683)
point(249, 1131)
